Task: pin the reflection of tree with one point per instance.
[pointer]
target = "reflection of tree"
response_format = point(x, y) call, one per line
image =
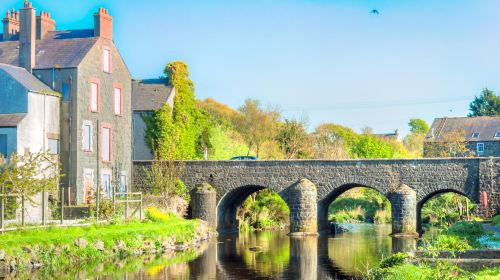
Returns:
point(271, 253)
point(364, 247)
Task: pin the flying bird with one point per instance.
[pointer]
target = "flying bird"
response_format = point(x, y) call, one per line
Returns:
point(374, 12)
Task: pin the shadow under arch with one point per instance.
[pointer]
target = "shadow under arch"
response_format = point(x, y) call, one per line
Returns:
point(421, 203)
point(228, 206)
point(324, 204)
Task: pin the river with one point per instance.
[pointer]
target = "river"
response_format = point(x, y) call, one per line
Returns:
point(261, 255)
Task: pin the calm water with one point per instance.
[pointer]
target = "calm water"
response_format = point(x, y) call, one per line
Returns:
point(262, 255)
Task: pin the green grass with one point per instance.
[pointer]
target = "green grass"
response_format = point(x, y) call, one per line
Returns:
point(496, 220)
point(179, 229)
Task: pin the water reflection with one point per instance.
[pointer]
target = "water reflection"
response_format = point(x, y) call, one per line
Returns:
point(261, 255)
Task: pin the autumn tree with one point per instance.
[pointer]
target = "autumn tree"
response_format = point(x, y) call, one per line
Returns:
point(256, 124)
point(451, 144)
point(293, 139)
point(330, 141)
point(486, 104)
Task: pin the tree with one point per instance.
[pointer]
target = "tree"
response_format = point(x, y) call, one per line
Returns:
point(418, 126)
point(332, 141)
point(487, 104)
point(293, 139)
point(256, 125)
point(185, 124)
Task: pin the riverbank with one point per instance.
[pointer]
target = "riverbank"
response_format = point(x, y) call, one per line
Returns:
point(458, 252)
point(54, 249)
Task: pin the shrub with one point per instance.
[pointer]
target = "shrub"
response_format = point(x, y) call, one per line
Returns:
point(395, 259)
point(496, 220)
point(156, 215)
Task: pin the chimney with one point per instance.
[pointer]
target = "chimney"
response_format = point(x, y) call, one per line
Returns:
point(103, 24)
point(11, 26)
point(27, 36)
point(44, 24)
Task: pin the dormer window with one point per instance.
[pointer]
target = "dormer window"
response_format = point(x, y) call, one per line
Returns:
point(475, 135)
point(106, 60)
point(497, 135)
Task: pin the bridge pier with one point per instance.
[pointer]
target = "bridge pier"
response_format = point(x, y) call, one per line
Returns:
point(303, 208)
point(404, 211)
point(204, 204)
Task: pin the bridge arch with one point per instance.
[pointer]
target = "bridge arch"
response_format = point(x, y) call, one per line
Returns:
point(324, 204)
point(229, 203)
point(434, 194)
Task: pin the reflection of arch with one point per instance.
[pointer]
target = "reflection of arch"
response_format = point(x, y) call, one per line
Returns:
point(228, 206)
point(323, 204)
point(421, 203)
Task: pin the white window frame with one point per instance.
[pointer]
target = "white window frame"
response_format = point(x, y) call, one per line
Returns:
point(106, 60)
point(497, 135)
point(51, 149)
point(87, 145)
point(107, 190)
point(122, 185)
point(94, 97)
point(480, 148)
point(106, 144)
point(117, 103)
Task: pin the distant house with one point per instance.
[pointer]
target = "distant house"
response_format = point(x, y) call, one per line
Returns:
point(392, 136)
point(481, 134)
point(29, 120)
point(147, 96)
point(86, 67)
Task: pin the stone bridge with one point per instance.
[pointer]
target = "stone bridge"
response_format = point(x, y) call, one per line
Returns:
point(310, 186)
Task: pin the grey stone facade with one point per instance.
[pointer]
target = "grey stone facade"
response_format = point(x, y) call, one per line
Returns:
point(235, 180)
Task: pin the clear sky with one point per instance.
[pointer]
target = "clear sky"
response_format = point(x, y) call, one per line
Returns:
point(327, 61)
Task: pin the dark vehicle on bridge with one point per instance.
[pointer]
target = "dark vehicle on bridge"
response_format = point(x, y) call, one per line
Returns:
point(244, 158)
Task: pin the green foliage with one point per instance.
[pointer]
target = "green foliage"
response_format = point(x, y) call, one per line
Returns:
point(226, 143)
point(486, 104)
point(360, 205)
point(418, 126)
point(293, 139)
point(395, 259)
point(496, 220)
point(181, 133)
point(446, 209)
point(264, 210)
point(368, 146)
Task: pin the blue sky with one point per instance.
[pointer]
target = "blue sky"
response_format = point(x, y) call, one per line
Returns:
point(326, 61)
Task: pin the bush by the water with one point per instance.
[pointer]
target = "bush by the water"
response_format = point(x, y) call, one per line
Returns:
point(496, 220)
point(360, 205)
point(263, 210)
point(156, 215)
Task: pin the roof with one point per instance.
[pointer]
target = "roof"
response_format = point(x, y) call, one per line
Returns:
point(11, 119)
point(65, 49)
point(150, 94)
point(394, 135)
point(25, 78)
point(485, 127)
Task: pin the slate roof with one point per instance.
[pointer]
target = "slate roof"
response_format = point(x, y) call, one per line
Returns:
point(485, 127)
point(150, 94)
point(26, 79)
point(65, 49)
point(11, 119)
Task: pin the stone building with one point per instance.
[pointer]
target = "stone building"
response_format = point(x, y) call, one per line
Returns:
point(481, 134)
point(95, 85)
point(147, 96)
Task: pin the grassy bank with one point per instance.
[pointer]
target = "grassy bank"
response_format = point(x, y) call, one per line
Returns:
point(360, 205)
point(58, 248)
point(461, 236)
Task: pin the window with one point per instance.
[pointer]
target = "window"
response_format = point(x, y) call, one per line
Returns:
point(94, 97)
point(475, 135)
point(53, 145)
point(106, 183)
point(118, 101)
point(3, 145)
point(106, 143)
point(480, 147)
point(87, 136)
point(66, 92)
point(123, 183)
point(497, 135)
point(106, 60)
